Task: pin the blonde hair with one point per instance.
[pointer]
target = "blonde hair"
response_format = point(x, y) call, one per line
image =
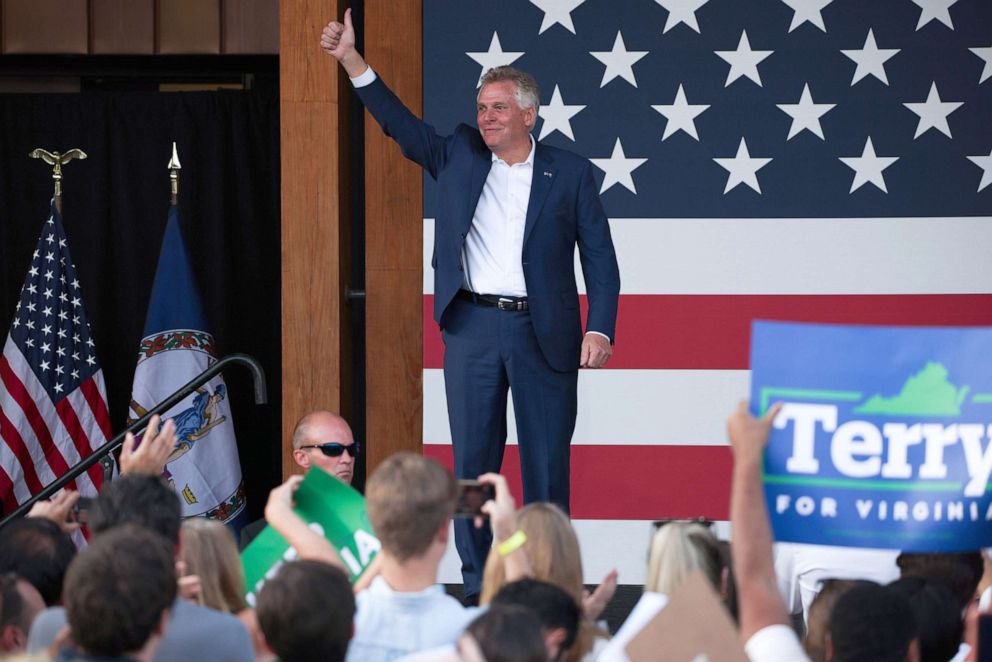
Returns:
point(677, 550)
point(209, 552)
point(553, 551)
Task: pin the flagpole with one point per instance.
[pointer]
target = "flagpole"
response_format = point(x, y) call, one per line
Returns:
point(57, 160)
point(174, 168)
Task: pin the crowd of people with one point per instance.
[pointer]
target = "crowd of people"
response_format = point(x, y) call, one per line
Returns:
point(150, 586)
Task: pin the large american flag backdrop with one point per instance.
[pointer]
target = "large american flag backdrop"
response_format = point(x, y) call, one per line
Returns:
point(819, 160)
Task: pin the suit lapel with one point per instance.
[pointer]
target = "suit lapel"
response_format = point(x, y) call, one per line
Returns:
point(541, 181)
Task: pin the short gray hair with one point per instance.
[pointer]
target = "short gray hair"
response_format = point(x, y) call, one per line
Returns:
point(527, 93)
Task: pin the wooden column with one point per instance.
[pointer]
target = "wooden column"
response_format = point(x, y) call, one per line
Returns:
point(314, 157)
point(393, 242)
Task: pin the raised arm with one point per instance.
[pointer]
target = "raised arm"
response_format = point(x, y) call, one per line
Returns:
point(760, 603)
point(508, 540)
point(281, 517)
point(419, 142)
point(338, 40)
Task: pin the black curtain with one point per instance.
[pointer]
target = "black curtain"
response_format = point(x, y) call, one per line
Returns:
point(114, 208)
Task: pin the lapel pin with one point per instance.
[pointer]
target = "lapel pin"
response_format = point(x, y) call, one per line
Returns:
point(547, 173)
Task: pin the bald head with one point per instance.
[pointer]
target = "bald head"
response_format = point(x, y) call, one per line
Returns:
point(324, 427)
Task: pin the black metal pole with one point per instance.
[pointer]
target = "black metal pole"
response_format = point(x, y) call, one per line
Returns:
point(261, 397)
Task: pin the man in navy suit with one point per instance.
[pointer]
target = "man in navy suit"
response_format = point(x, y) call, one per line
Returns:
point(511, 212)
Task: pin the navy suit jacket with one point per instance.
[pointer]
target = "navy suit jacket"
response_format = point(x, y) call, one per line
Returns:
point(564, 210)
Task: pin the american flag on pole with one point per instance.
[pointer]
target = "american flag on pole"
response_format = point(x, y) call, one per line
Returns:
point(809, 160)
point(53, 403)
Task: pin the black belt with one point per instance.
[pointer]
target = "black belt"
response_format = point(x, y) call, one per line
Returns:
point(494, 300)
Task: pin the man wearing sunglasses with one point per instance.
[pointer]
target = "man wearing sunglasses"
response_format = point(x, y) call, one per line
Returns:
point(324, 439)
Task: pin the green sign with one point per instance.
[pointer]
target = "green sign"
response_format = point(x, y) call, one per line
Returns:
point(330, 508)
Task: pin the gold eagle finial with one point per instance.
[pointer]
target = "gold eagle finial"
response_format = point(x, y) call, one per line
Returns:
point(57, 160)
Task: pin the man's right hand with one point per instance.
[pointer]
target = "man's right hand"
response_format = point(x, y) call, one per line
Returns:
point(338, 40)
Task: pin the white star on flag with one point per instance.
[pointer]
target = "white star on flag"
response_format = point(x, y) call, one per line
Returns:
point(557, 116)
point(557, 12)
point(681, 115)
point(743, 168)
point(985, 54)
point(619, 61)
point(985, 163)
point(933, 113)
point(618, 169)
point(806, 114)
point(934, 10)
point(870, 60)
point(494, 57)
point(807, 11)
point(743, 61)
point(681, 11)
point(868, 167)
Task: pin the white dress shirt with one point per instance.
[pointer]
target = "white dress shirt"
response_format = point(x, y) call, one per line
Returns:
point(495, 242)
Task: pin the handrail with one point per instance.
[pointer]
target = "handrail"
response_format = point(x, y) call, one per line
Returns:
point(261, 397)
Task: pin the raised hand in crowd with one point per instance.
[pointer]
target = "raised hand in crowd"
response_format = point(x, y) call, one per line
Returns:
point(594, 603)
point(765, 625)
point(151, 454)
point(57, 509)
point(188, 586)
point(280, 515)
point(761, 604)
point(508, 540)
point(308, 543)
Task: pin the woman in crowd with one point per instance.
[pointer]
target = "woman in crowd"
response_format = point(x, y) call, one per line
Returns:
point(553, 550)
point(678, 549)
point(213, 575)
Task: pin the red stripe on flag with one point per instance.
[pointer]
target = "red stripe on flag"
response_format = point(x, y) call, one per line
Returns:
point(98, 406)
point(635, 482)
point(15, 442)
point(7, 491)
point(37, 422)
point(79, 439)
point(713, 332)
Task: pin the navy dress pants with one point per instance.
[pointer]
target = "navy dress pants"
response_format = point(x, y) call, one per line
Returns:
point(488, 351)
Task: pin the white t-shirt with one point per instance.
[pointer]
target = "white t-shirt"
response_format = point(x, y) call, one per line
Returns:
point(775, 643)
point(801, 568)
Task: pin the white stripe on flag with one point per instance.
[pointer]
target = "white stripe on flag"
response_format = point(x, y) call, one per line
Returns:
point(624, 407)
point(793, 256)
point(12, 410)
point(87, 419)
point(14, 471)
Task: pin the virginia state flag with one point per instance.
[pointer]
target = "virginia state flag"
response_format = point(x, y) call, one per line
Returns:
point(204, 467)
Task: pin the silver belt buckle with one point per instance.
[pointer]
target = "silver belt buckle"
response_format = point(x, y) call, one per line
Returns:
point(505, 304)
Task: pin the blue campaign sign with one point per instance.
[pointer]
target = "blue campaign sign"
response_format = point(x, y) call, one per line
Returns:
point(884, 437)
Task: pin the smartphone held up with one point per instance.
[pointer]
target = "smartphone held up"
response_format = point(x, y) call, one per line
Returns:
point(471, 496)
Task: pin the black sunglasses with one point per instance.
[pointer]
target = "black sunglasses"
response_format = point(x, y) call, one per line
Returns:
point(332, 449)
